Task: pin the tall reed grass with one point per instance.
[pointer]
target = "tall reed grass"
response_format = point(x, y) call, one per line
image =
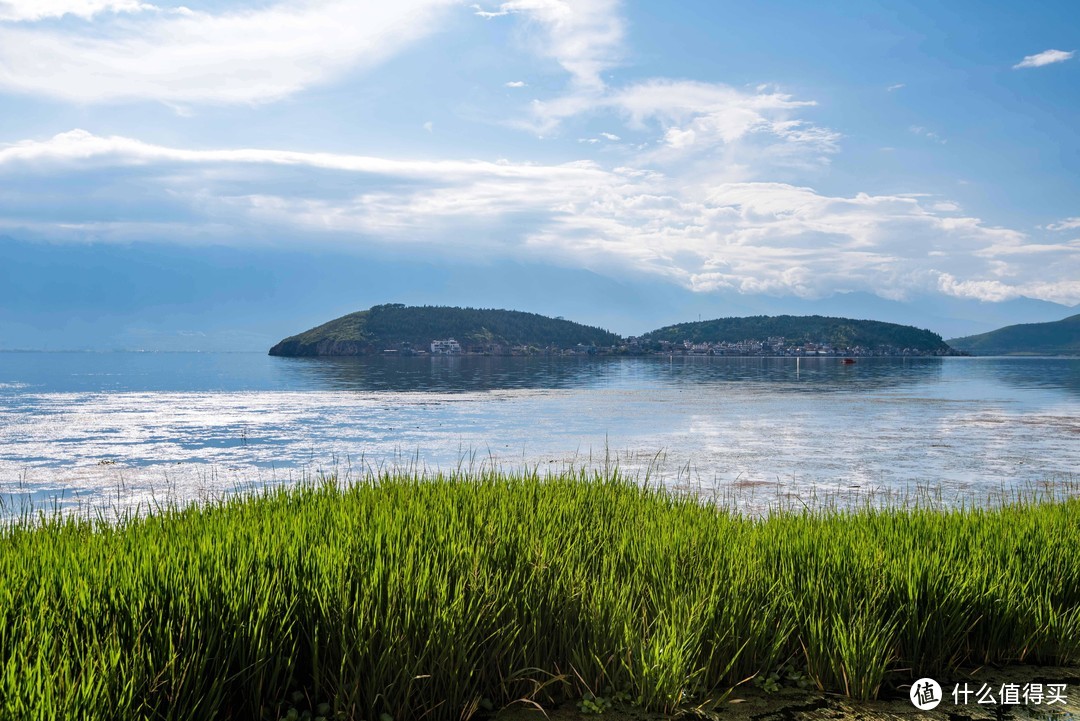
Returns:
point(436, 598)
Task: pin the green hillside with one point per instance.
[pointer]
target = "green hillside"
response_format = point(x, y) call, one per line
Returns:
point(397, 326)
point(839, 332)
point(1061, 337)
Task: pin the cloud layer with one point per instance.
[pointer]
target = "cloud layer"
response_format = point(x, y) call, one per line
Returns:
point(584, 37)
point(751, 237)
point(703, 183)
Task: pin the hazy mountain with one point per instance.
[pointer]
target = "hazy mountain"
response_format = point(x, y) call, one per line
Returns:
point(944, 315)
point(1057, 338)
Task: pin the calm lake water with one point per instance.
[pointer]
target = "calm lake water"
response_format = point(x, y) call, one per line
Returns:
point(129, 428)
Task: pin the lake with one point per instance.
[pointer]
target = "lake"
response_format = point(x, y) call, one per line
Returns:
point(123, 429)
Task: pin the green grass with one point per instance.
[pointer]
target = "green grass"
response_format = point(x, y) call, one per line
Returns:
point(438, 598)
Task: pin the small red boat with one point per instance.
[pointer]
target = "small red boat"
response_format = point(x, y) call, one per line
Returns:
point(848, 361)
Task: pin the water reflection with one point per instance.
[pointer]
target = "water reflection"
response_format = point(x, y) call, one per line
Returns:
point(207, 423)
point(480, 373)
point(449, 374)
point(31, 373)
point(1048, 374)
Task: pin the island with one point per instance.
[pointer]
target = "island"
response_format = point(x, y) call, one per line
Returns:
point(1060, 337)
point(399, 330)
point(795, 335)
point(413, 330)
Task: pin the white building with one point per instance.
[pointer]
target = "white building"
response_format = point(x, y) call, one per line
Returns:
point(445, 347)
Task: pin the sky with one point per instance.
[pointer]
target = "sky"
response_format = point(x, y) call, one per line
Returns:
point(218, 175)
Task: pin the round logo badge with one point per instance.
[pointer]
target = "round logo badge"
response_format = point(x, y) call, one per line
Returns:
point(925, 694)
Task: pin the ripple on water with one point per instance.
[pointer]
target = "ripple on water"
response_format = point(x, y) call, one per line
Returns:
point(739, 429)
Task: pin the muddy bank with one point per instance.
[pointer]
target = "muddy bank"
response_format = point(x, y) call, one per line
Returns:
point(791, 704)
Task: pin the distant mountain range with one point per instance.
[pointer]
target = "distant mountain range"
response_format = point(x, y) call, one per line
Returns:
point(1055, 338)
point(404, 329)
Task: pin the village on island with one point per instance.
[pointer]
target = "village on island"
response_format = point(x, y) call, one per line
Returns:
point(775, 346)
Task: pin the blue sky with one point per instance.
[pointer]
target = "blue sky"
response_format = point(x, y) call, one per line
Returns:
point(218, 175)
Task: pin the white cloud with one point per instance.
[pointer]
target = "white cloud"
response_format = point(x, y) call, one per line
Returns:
point(32, 10)
point(1067, 224)
point(516, 84)
point(79, 149)
point(892, 88)
point(993, 291)
point(986, 290)
point(1008, 249)
point(1046, 57)
point(740, 131)
point(928, 134)
point(674, 102)
point(751, 237)
point(603, 136)
point(429, 126)
point(737, 133)
point(481, 12)
point(583, 36)
point(246, 56)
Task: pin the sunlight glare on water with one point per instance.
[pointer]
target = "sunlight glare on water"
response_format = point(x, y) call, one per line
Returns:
point(142, 427)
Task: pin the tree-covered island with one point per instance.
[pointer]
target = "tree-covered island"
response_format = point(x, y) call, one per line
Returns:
point(396, 329)
point(792, 335)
